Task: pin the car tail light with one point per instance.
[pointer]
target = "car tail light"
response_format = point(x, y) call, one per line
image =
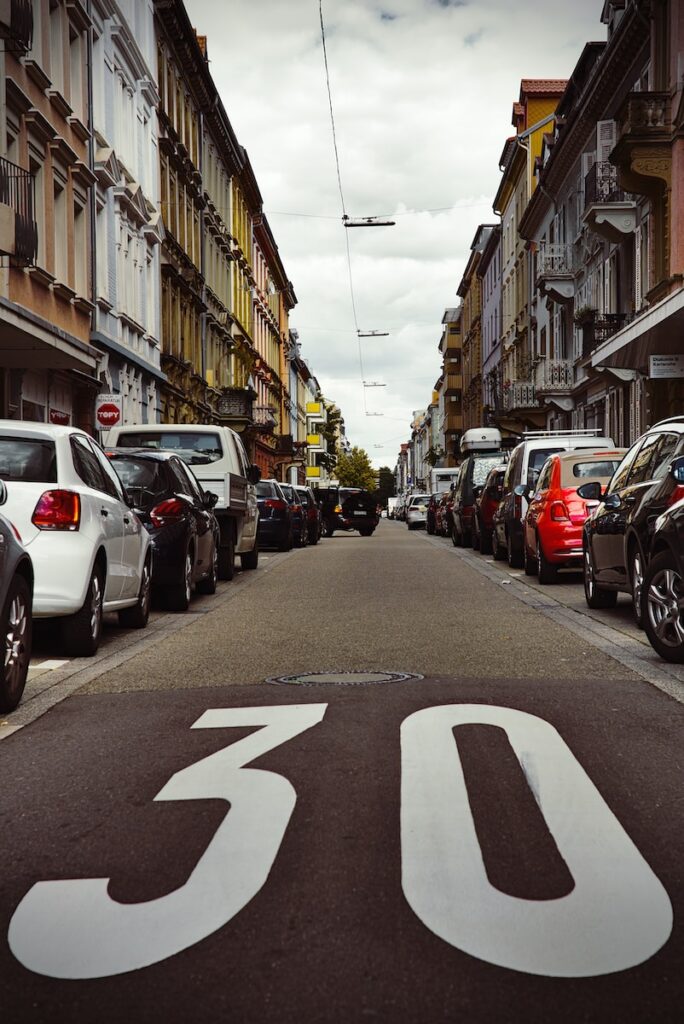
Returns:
point(57, 510)
point(558, 512)
point(677, 495)
point(170, 511)
point(338, 509)
point(276, 503)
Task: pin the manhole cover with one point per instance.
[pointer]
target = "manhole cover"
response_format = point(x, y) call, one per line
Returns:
point(343, 678)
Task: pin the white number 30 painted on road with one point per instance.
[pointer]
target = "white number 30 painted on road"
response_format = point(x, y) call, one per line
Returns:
point(617, 915)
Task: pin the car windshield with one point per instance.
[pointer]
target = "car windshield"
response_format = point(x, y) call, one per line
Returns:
point(197, 449)
point(482, 468)
point(28, 459)
point(141, 478)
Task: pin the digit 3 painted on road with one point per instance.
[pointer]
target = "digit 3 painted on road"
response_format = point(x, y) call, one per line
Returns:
point(73, 929)
point(618, 913)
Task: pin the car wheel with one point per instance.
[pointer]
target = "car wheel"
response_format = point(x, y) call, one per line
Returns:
point(596, 597)
point(475, 535)
point(81, 632)
point(546, 571)
point(366, 531)
point(209, 583)
point(17, 627)
point(137, 616)
point(329, 530)
point(515, 559)
point(313, 536)
point(250, 559)
point(530, 562)
point(485, 541)
point(178, 597)
point(663, 604)
point(637, 580)
point(226, 558)
point(497, 551)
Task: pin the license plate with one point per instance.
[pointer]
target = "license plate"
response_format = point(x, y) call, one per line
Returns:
point(360, 513)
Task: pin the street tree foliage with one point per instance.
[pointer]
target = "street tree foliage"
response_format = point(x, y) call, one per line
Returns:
point(386, 488)
point(354, 469)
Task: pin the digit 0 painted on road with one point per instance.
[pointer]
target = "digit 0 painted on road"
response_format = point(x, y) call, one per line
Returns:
point(618, 914)
point(73, 929)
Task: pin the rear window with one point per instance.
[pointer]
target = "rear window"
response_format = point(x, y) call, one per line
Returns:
point(28, 459)
point(579, 472)
point(482, 468)
point(197, 449)
point(289, 493)
point(420, 499)
point(264, 489)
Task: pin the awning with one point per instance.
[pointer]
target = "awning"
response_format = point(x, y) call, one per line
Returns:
point(660, 331)
point(28, 342)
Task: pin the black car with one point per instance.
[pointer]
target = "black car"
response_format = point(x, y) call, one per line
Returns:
point(312, 510)
point(275, 516)
point(300, 528)
point(16, 624)
point(347, 508)
point(663, 590)
point(474, 471)
point(178, 515)
point(618, 535)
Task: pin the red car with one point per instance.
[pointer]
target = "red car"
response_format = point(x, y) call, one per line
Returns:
point(487, 500)
point(552, 529)
point(443, 514)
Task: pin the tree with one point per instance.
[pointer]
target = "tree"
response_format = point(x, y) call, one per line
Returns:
point(386, 485)
point(354, 470)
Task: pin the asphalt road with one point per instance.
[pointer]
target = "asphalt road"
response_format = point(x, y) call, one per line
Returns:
point(497, 839)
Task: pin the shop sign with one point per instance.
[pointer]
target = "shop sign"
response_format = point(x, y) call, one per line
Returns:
point(63, 419)
point(662, 367)
point(108, 411)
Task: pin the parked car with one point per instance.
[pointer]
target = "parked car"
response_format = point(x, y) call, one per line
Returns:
point(219, 461)
point(416, 511)
point(90, 552)
point(312, 509)
point(663, 589)
point(522, 473)
point(474, 471)
point(300, 529)
point(275, 516)
point(432, 511)
point(16, 623)
point(556, 513)
point(617, 536)
point(347, 508)
point(443, 513)
point(177, 514)
point(486, 501)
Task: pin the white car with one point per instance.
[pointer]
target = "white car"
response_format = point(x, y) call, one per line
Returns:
point(90, 552)
point(416, 510)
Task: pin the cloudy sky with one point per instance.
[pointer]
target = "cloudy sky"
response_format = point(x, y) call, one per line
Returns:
point(422, 92)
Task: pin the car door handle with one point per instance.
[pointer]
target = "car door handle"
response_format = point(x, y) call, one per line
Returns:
point(104, 512)
point(126, 520)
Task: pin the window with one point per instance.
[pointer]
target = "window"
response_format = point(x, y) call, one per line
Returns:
point(56, 46)
point(76, 72)
point(61, 267)
point(28, 460)
point(86, 464)
point(665, 454)
point(190, 482)
point(80, 249)
point(112, 484)
point(544, 481)
point(642, 466)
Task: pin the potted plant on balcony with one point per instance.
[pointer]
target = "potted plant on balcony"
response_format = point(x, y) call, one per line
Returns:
point(585, 318)
point(584, 315)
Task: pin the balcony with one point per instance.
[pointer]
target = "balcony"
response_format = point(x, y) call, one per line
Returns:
point(643, 153)
point(518, 395)
point(555, 271)
point(237, 404)
point(453, 384)
point(556, 377)
point(264, 419)
point(597, 329)
point(608, 210)
point(452, 421)
point(18, 229)
point(16, 25)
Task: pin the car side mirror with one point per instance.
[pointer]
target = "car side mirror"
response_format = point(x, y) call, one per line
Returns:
point(521, 491)
point(590, 491)
point(254, 474)
point(477, 491)
point(209, 499)
point(3, 492)
point(676, 470)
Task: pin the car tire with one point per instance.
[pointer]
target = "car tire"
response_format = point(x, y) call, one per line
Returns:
point(250, 559)
point(530, 566)
point(596, 597)
point(475, 535)
point(546, 571)
point(497, 550)
point(209, 583)
point(366, 532)
point(138, 616)
point(17, 628)
point(636, 576)
point(314, 536)
point(329, 530)
point(485, 541)
point(515, 559)
point(663, 590)
point(178, 596)
point(81, 632)
point(226, 558)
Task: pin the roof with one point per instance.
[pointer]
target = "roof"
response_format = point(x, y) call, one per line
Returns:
point(542, 87)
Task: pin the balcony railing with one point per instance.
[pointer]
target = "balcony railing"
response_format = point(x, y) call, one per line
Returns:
point(645, 113)
point(555, 259)
point(18, 229)
point(518, 395)
point(554, 375)
point(601, 186)
point(16, 25)
point(264, 418)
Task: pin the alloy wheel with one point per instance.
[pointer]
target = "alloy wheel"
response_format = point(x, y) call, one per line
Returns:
point(665, 607)
point(95, 606)
point(637, 585)
point(187, 578)
point(588, 575)
point(15, 643)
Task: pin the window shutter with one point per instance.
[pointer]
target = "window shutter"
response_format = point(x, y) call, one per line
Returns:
point(605, 140)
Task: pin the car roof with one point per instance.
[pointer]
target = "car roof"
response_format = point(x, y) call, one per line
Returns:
point(29, 428)
point(583, 454)
point(149, 454)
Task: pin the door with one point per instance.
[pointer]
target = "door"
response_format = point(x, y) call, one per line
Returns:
point(247, 535)
point(132, 540)
point(101, 513)
point(203, 518)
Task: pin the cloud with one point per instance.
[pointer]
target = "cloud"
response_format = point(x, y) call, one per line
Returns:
point(422, 113)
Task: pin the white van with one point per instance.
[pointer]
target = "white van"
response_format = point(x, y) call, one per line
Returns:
point(219, 461)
